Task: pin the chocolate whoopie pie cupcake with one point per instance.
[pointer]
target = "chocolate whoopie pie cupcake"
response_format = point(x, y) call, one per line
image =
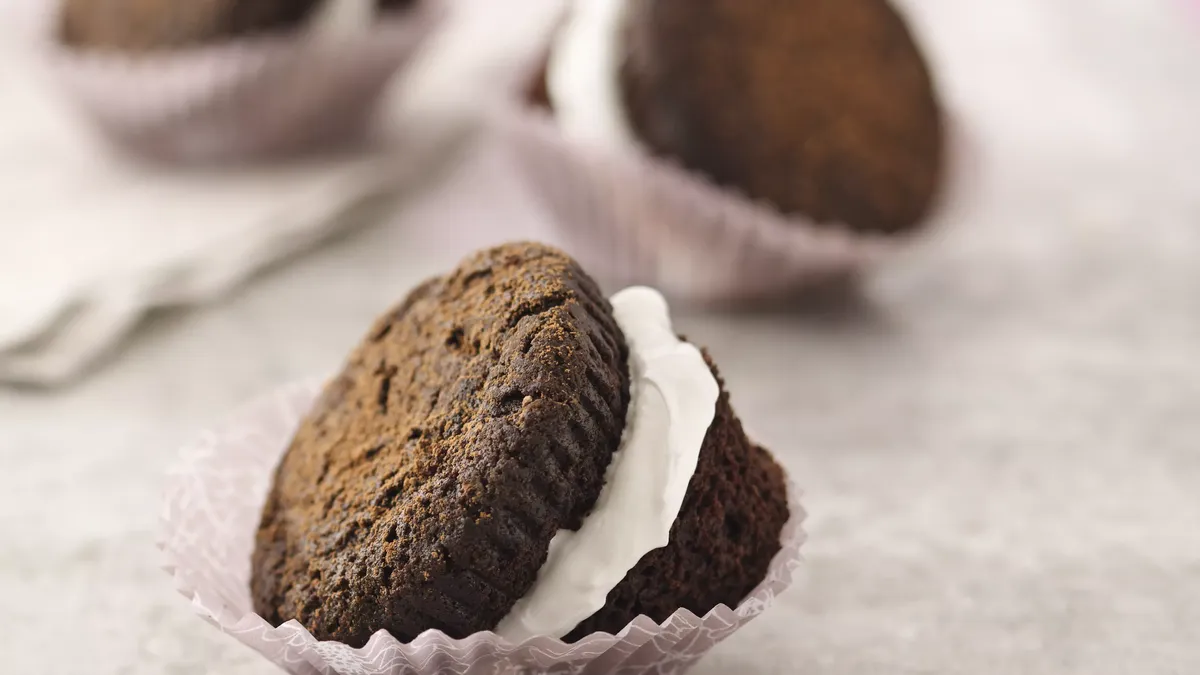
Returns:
point(234, 81)
point(139, 25)
point(821, 108)
point(507, 450)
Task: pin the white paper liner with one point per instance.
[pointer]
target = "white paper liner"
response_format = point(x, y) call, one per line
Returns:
point(634, 219)
point(244, 99)
point(211, 513)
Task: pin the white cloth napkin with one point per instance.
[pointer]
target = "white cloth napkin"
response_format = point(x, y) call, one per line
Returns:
point(90, 241)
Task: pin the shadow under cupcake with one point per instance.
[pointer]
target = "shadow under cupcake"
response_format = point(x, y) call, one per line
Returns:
point(216, 80)
point(511, 474)
point(731, 149)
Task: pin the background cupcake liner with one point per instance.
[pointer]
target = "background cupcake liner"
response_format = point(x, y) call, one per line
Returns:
point(639, 220)
point(634, 219)
point(211, 512)
point(244, 99)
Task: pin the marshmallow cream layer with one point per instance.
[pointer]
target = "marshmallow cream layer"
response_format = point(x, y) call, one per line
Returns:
point(673, 398)
point(583, 76)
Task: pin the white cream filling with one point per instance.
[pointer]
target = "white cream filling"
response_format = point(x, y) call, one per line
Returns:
point(583, 76)
point(673, 398)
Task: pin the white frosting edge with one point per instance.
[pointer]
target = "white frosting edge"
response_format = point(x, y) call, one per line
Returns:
point(583, 75)
point(673, 398)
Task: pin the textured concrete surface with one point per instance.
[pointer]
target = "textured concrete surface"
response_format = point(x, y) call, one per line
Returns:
point(999, 435)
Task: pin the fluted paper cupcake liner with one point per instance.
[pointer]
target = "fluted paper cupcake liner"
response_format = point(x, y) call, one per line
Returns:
point(635, 219)
point(244, 99)
point(211, 513)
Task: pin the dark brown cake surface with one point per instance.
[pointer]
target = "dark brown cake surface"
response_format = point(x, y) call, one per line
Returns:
point(823, 108)
point(475, 421)
point(141, 25)
point(727, 532)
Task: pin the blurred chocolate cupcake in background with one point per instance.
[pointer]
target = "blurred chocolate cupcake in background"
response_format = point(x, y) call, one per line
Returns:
point(748, 146)
point(821, 107)
point(134, 26)
point(137, 25)
point(234, 79)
